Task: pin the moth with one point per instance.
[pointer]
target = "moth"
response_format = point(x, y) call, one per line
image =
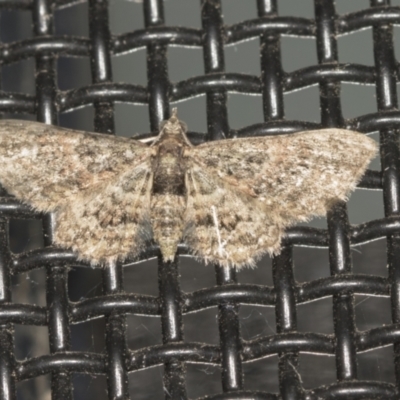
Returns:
point(229, 200)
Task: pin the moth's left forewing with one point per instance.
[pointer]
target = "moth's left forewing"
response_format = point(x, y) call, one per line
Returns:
point(293, 176)
point(282, 179)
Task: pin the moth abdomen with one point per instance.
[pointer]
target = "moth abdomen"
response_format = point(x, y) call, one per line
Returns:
point(167, 212)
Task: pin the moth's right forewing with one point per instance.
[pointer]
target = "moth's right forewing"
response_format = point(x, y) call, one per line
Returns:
point(46, 166)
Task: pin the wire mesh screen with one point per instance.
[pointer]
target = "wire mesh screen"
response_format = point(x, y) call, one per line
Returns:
point(328, 329)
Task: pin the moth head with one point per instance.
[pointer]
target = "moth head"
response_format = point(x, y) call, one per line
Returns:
point(173, 127)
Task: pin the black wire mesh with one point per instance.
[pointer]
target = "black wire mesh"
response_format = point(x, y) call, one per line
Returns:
point(172, 304)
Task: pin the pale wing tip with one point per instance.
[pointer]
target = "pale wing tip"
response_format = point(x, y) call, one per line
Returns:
point(354, 136)
point(362, 150)
point(367, 147)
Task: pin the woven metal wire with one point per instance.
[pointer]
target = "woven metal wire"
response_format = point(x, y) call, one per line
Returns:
point(172, 304)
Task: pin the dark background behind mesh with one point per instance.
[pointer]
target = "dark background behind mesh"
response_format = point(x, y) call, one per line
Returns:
point(327, 328)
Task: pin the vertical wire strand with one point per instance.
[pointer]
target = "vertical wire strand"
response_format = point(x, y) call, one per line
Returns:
point(218, 128)
point(338, 225)
point(101, 62)
point(271, 68)
point(285, 310)
point(172, 327)
point(213, 55)
point(157, 67)
point(117, 377)
point(56, 296)
point(7, 358)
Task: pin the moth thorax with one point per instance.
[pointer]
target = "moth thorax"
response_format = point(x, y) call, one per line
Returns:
point(169, 176)
point(172, 139)
point(173, 129)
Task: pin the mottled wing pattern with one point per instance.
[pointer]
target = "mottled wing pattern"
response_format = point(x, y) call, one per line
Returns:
point(242, 193)
point(225, 225)
point(79, 174)
point(111, 222)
